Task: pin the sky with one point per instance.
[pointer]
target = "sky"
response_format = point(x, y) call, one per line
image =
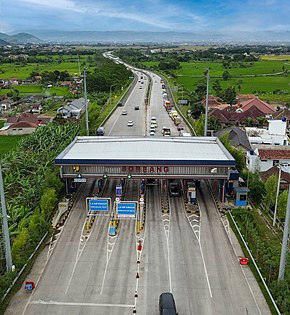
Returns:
point(144, 15)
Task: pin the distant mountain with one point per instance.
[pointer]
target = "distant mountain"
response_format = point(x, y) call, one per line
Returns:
point(20, 38)
point(131, 37)
point(3, 42)
point(266, 37)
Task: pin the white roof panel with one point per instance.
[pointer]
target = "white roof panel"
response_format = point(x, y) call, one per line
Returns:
point(177, 150)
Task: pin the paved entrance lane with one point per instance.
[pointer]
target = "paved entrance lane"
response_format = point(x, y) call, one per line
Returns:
point(120, 281)
point(154, 275)
point(230, 290)
point(189, 283)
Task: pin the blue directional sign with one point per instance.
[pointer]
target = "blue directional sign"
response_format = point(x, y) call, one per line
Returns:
point(98, 205)
point(126, 209)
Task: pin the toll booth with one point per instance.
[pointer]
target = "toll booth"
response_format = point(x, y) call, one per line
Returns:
point(119, 190)
point(233, 181)
point(241, 199)
point(191, 193)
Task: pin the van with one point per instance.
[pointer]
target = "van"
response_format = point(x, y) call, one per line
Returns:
point(167, 304)
point(100, 131)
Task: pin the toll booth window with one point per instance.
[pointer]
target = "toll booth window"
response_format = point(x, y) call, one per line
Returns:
point(243, 197)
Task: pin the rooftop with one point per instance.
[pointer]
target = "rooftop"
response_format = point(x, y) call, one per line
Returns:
point(158, 151)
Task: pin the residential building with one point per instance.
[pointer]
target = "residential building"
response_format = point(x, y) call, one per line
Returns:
point(73, 109)
point(276, 134)
point(264, 157)
point(237, 137)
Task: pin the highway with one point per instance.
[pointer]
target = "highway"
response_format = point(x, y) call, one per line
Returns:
point(188, 255)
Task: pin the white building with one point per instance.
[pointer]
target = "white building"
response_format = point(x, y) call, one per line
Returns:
point(274, 135)
point(264, 157)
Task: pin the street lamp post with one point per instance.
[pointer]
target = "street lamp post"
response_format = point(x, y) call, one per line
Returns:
point(86, 101)
point(277, 194)
point(111, 94)
point(5, 225)
point(284, 249)
point(206, 102)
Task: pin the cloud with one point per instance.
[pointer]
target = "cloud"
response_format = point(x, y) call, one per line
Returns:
point(162, 15)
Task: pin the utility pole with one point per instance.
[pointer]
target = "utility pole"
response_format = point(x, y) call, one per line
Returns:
point(277, 195)
point(86, 101)
point(5, 225)
point(284, 249)
point(206, 102)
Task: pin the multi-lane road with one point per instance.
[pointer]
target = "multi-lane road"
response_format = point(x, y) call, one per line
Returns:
point(190, 255)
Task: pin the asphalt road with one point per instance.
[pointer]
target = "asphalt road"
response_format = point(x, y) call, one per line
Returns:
point(191, 256)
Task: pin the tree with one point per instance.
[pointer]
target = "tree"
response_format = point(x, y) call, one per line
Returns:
point(214, 124)
point(217, 88)
point(197, 109)
point(226, 75)
point(270, 190)
point(257, 188)
point(198, 126)
point(200, 89)
point(238, 154)
point(229, 95)
point(282, 204)
point(48, 201)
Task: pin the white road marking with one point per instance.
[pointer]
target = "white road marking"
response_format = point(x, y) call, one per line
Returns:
point(204, 266)
point(197, 232)
point(51, 302)
point(167, 230)
point(82, 245)
point(109, 254)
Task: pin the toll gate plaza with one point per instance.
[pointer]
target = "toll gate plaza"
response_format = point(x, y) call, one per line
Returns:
point(166, 157)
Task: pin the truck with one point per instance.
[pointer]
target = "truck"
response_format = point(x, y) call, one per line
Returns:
point(167, 105)
point(173, 114)
point(166, 132)
point(177, 120)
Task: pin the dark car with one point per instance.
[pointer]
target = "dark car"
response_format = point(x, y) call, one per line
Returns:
point(100, 131)
point(120, 104)
point(174, 189)
point(180, 127)
point(167, 304)
point(136, 107)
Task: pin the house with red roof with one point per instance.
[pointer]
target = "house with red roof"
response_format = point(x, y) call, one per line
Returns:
point(237, 117)
point(23, 124)
point(264, 107)
point(214, 102)
point(265, 157)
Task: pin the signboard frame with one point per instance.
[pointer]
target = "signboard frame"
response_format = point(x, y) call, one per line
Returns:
point(103, 208)
point(129, 214)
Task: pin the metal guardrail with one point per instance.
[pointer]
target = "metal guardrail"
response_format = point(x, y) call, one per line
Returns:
point(256, 266)
point(177, 107)
point(247, 248)
point(23, 268)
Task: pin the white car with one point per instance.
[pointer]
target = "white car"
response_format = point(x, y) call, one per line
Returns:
point(153, 124)
point(130, 123)
point(152, 133)
point(124, 112)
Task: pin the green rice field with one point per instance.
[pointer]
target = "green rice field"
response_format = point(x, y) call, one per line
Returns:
point(7, 143)
point(14, 70)
point(260, 78)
